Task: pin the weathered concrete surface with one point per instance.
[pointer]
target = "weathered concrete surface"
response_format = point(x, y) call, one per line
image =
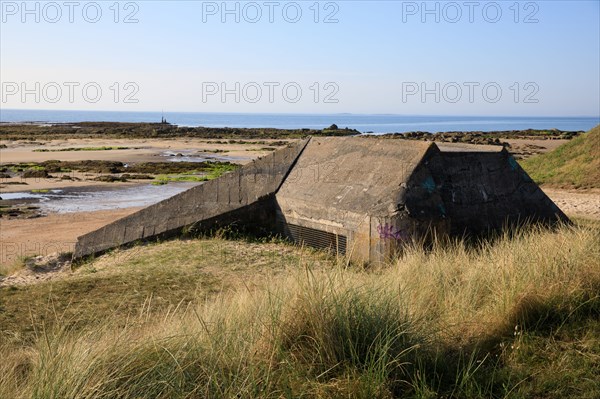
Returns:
point(350, 187)
point(355, 175)
point(364, 197)
point(252, 184)
point(379, 194)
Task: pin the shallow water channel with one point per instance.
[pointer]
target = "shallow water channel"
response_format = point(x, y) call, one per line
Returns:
point(88, 199)
point(195, 156)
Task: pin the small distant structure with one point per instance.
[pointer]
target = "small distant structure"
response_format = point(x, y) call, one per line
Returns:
point(163, 120)
point(362, 197)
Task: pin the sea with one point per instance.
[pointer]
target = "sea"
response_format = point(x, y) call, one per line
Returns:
point(372, 123)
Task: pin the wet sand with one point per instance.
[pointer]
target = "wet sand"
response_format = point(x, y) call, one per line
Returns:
point(50, 234)
point(39, 183)
point(138, 150)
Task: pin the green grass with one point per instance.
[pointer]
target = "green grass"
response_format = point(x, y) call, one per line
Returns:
point(213, 172)
point(514, 317)
point(20, 167)
point(103, 148)
point(117, 285)
point(575, 164)
point(165, 179)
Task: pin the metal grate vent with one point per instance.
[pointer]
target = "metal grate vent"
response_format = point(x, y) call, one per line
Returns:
point(314, 238)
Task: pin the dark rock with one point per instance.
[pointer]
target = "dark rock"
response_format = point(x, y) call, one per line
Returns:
point(136, 176)
point(35, 173)
point(110, 179)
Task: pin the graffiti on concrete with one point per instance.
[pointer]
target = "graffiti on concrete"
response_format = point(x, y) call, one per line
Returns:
point(387, 231)
point(429, 185)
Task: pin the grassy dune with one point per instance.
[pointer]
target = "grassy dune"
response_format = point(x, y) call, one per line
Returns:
point(575, 164)
point(516, 317)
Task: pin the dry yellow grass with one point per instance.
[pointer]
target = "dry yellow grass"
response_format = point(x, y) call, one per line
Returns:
point(12, 267)
point(512, 317)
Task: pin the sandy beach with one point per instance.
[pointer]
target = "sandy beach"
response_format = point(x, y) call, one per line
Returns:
point(578, 204)
point(137, 151)
point(50, 234)
point(58, 232)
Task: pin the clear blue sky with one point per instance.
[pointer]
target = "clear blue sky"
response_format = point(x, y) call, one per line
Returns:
point(377, 57)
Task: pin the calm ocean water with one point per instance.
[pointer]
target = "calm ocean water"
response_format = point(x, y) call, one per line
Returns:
point(362, 123)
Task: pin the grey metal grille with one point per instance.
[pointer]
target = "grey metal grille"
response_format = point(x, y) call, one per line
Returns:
point(314, 238)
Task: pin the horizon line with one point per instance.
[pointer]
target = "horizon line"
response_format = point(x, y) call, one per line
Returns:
point(303, 113)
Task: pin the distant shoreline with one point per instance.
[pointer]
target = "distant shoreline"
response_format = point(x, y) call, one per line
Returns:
point(29, 130)
point(377, 124)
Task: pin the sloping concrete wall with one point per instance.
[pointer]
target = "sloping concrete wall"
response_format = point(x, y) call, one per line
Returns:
point(252, 185)
point(352, 187)
point(337, 180)
point(476, 192)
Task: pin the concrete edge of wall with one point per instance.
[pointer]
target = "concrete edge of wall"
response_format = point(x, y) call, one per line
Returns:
point(247, 185)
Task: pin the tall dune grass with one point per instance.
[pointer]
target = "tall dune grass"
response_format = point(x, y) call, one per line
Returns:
point(444, 322)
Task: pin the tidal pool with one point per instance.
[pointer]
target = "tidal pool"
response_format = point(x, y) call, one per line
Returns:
point(88, 199)
point(196, 156)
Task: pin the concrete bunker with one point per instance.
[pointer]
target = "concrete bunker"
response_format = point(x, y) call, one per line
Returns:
point(362, 197)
